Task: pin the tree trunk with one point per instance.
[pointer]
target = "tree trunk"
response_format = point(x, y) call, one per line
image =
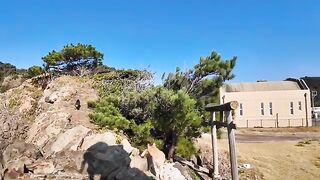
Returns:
point(171, 143)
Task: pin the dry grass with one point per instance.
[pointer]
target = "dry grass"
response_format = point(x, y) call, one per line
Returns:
point(297, 159)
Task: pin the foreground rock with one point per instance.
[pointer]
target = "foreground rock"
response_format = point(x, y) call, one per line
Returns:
point(57, 141)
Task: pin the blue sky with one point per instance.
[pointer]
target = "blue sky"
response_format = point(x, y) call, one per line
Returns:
point(272, 39)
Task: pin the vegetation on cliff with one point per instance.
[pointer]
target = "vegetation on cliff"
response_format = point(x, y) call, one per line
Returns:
point(169, 115)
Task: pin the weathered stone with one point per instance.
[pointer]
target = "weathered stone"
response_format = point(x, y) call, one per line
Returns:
point(19, 149)
point(134, 152)
point(169, 172)
point(47, 126)
point(184, 170)
point(108, 137)
point(16, 168)
point(139, 163)
point(126, 146)
point(42, 167)
point(71, 139)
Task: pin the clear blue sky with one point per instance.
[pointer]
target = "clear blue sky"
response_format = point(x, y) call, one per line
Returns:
point(272, 39)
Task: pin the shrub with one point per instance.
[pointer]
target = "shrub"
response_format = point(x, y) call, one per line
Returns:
point(35, 71)
point(185, 148)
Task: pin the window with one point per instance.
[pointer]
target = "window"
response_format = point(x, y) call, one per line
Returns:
point(241, 109)
point(291, 107)
point(262, 109)
point(270, 107)
point(300, 106)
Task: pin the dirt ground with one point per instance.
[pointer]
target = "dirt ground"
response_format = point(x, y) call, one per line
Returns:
point(283, 153)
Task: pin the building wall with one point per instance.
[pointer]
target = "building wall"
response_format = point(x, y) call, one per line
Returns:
point(281, 103)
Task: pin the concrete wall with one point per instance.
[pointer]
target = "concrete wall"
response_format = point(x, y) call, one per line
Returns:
point(281, 114)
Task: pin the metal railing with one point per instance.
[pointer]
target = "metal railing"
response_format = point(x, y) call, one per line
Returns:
point(285, 122)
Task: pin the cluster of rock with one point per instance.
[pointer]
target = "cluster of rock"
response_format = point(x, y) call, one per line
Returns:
point(61, 143)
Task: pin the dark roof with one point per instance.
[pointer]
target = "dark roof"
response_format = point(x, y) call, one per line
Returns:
point(314, 85)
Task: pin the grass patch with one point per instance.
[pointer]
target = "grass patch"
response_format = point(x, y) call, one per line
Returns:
point(305, 142)
point(194, 175)
point(14, 103)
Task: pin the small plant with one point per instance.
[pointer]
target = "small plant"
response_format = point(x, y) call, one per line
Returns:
point(194, 175)
point(14, 103)
point(185, 148)
point(303, 143)
point(91, 104)
point(118, 138)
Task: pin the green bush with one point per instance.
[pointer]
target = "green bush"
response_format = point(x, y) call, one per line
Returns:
point(107, 114)
point(185, 148)
point(167, 115)
point(35, 71)
point(141, 134)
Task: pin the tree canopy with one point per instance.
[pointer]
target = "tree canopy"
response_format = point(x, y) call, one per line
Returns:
point(203, 81)
point(169, 114)
point(76, 59)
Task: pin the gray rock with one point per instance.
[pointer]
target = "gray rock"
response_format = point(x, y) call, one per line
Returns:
point(16, 168)
point(47, 126)
point(139, 163)
point(42, 167)
point(19, 149)
point(184, 170)
point(126, 146)
point(71, 139)
point(108, 137)
point(169, 172)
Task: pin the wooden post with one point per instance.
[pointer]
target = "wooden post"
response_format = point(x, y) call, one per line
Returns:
point(232, 147)
point(225, 110)
point(289, 122)
point(277, 118)
point(214, 143)
point(221, 116)
point(306, 106)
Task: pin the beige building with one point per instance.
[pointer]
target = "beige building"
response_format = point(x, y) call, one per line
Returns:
point(269, 103)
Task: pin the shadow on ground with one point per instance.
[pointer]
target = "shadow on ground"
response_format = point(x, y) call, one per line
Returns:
point(109, 162)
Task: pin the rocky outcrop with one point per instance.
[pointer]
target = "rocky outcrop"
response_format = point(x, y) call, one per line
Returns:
point(107, 137)
point(58, 141)
point(12, 81)
point(169, 172)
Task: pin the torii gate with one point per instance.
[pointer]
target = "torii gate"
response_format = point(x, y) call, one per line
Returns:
point(224, 109)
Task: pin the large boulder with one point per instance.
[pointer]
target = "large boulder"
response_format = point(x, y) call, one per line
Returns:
point(169, 172)
point(71, 139)
point(127, 146)
point(16, 157)
point(109, 162)
point(19, 149)
point(139, 163)
point(107, 137)
point(47, 126)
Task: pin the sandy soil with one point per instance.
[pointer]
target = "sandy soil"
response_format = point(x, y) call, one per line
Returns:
point(274, 154)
